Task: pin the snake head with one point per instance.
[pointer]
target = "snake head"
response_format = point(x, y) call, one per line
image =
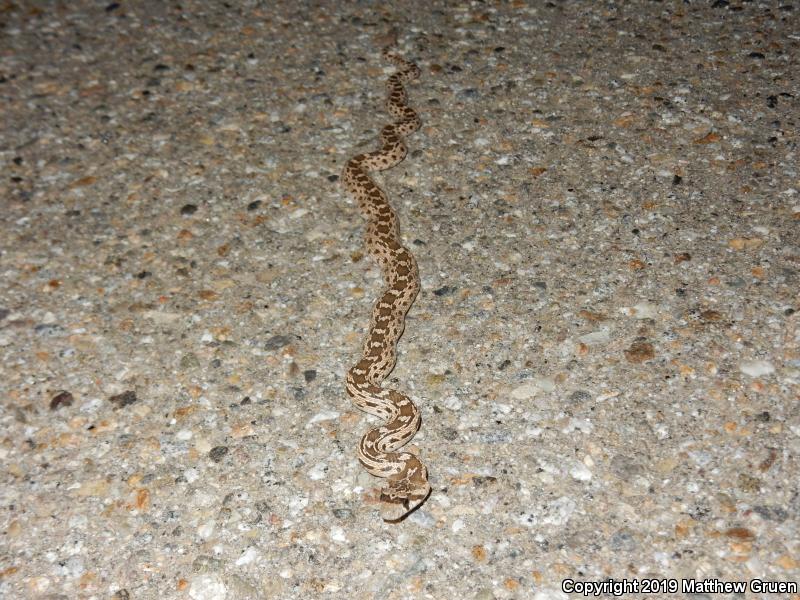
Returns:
point(405, 492)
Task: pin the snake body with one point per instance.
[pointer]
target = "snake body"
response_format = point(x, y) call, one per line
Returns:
point(378, 450)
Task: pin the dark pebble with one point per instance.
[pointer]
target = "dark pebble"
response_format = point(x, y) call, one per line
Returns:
point(111, 7)
point(772, 101)
point(309, 375)
point(579, 396)
point(622, 540)
point(736, 283)
point(124, 399)
point(188, 209)
point(676, 180)
point(48, 330)
point(748, 483)
point(771, 513)
point(483, 480)
point(4, 312)
point(277, 341)
point(245, 401)
point(449, 433)
point(757, 55)
point(62, 398)
point(445, 290)
point(217, 453)
point(342, 513)
point(254, 205)
point(333, 178)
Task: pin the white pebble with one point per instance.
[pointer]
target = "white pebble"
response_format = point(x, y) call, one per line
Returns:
point(452, 402)
point(595, 337)
point(247, 557)
point(337, 535)
point(756, 368)
point(457, 525)
point(531, 388)
point(581, 425)
point(318, 471)
point(207, 587)
point(325, 415)
point(206, 530)
point(525, 391)
point(546, 384)
point(559, 511)
point(422, 518)
point(580, 472)
point(297, 504)
point(489, 505)
point(643, 310)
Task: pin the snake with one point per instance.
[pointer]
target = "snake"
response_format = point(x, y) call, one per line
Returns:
point(407, 485)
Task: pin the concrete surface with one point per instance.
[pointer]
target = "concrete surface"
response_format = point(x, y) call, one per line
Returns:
point(603, 201)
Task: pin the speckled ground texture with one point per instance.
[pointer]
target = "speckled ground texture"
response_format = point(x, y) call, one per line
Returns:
point(603, 201)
